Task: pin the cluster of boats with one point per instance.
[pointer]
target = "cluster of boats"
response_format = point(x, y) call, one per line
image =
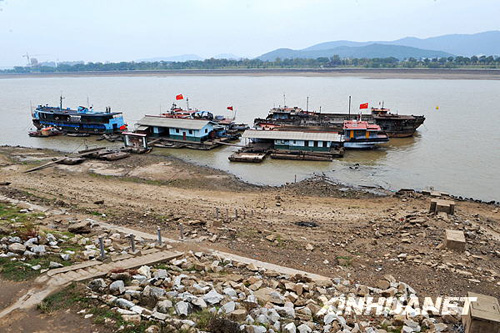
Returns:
point(291, 133)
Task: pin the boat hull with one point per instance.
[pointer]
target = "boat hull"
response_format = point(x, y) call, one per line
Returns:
point(395, 126)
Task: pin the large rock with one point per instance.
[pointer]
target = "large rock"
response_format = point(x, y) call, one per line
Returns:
point(238, 315)
point(182, 308)
point(213, 297)
point(117, 287)
point(199, 302)
point(304, 329)
point(290, 328)
point(80, 228)
point(135, 318)
point(38, 249)
point(97, 284)
point(154, 292)
point(266, 295)
point(164, 306)
point(54, 264)
point(17, 247)
point(160, 274)
point(145, 270)
point(228, 307)
point(256, 329)
point(124, 304)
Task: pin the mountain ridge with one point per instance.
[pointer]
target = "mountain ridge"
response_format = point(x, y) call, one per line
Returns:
point(482, 43)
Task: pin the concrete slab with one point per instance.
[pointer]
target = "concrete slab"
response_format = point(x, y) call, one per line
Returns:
point(483, 315)
point(455, 240)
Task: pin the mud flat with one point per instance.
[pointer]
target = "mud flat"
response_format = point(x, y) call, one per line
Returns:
point(375, 73)
point(314, 225)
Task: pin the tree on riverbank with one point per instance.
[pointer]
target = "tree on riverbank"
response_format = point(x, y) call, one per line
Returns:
point(335, 61)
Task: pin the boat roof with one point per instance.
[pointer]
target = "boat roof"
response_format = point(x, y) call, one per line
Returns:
point(158, 121)
point(89, 112)
point(360, 125)
point(292, 135)
point(134, 134)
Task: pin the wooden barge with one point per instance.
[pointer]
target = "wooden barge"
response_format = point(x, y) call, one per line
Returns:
point(291, 145)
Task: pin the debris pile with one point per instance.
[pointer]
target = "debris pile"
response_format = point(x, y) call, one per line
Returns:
point(182, 294)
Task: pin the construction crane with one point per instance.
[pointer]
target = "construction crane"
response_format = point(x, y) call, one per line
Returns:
point(29, 58)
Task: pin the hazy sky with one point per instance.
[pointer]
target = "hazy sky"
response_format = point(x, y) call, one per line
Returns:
point(122, 30)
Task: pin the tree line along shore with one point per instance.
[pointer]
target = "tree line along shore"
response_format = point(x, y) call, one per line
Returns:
point(324, 63)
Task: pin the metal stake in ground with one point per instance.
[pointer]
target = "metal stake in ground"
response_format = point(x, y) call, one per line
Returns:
point(159, 237)
point(236, 213)
point(181, 231)
point(217, 213)
point(132, 242)
point(101, 247)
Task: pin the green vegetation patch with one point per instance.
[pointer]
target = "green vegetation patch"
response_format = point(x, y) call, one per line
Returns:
point(18, 270)
point(64, 299)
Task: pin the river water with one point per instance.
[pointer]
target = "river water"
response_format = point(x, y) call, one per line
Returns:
point(456, 150)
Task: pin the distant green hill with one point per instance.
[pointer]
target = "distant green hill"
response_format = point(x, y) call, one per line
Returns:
point(366, 51)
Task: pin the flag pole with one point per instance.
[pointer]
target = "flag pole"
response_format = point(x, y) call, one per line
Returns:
point(307, 104)
point(349, 107)
point(187, 103)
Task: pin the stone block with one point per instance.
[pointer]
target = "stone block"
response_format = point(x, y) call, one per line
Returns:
point(446, 206)
point(455, 240)
point(483, 316)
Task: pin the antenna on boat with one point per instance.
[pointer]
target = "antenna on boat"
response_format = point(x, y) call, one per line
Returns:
point(349, 106)
point(187, 103)
point(307, 104)
point(284, 100)
point(60, 101)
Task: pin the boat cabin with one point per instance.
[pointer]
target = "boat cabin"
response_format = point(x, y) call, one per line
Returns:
point(360, 129)
point(297, 140)
point(135, 140)
point(196, 130)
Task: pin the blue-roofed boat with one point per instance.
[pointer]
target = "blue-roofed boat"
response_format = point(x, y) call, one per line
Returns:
point(81, 120)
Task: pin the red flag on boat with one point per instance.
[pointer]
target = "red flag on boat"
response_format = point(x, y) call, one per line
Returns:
point(123, 127)
point(178, 97)
point(363, 106)
point(230, 108)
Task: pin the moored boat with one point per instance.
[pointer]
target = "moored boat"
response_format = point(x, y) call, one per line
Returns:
point(81, 120)
point(395, 125)
point(45, 132)
point(362, 135)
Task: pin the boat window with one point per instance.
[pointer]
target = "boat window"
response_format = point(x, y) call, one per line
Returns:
point(320, 144)
point(176, 130)
point(294, 142)
point(206, 130)
point(190, 132)
point(315, 143)
point(306, 143)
